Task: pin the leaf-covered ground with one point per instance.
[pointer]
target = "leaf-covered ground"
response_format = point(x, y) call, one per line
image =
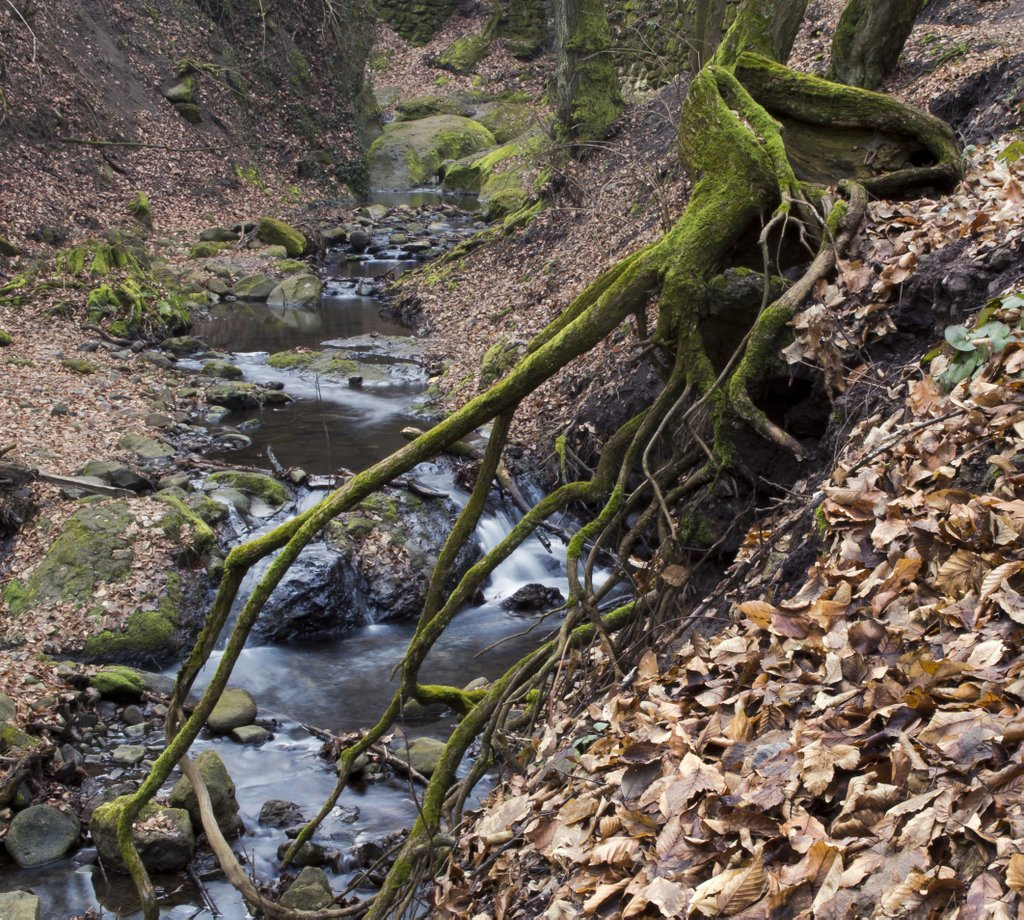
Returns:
point(849, 745)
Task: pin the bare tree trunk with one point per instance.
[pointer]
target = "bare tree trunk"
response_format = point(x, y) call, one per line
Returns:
point(708, 28)
point(869, 38)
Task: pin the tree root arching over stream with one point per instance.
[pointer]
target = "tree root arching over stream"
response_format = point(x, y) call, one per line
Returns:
point(783, 164)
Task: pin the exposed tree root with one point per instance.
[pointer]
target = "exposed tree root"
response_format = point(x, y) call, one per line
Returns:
point(747, 133)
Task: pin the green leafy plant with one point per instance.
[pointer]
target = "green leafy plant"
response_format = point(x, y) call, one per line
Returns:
point(972, 348)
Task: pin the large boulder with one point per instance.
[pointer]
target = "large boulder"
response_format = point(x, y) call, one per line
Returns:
point(222, 795)
point(296, 291)
point(41, 834)
point(410, 153)
point(375, 563)
point(254, 287)
point(424, 754)
point(235, 707)
point(163, 836)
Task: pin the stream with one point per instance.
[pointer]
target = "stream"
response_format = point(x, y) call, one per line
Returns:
point(339, 683)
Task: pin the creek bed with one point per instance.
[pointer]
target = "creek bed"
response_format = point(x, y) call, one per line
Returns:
point(340, 683)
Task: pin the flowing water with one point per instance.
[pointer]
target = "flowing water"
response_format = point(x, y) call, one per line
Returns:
point(342, 683)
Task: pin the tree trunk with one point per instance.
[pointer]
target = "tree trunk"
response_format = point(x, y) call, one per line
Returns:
point(869, 38)
point(587, 97)
point(708, 29)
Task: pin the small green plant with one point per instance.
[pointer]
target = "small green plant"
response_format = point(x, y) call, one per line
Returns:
point(972, 348)
point(1013, 153)
point(252, 175)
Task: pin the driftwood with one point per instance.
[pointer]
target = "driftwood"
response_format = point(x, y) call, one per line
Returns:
point(77, 482)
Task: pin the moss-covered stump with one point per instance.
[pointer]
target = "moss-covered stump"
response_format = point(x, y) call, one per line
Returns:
point(254, 485)
point(275, 232)
point(410, 153)
point(162, 836)
point(90, 550)
point(463, 54)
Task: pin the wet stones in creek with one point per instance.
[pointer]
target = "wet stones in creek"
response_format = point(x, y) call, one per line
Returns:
point(374, 564)
point(163, 837)
point(533, 597)
point(222, 794)
point(41, 834)
point(235, 708)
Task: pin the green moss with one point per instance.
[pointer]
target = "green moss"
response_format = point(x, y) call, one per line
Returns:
point(275, 232)
point(587, 81)
point(147, 635)
point(463, 54)
point(321, 363)
point(293, 267)
point(116, 682)
point(5, 338)
point(270, 490)
point(90, 550)
point(17, 596)
point(410, 153)
point(140, 208)
point(78, 365)
point(186, 518)
point(416, 22)
point(13, 738)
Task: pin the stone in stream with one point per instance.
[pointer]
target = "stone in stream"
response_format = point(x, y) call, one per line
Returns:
point(235, 707)
point(533, 597)
point(163, 836)
point(359, 240)
point(278, 813)
point(310, 854)
point(128, 754)
point(41, 834)
point(222, 795)
point(310, 891)
point(19, 905)
point(296, 291)
point(424, 754)
point(250, 734)
point(254, 288)
point(222, 369)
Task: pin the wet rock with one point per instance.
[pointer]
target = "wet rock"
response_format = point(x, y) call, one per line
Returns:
point(222, 369)
point(254, 288)
point(296, 291)
point(216, 414)
point(278, 813)
point(410, 153)
point(128, 754)
point(132, 715)
point(310, 891)
point(235, 708)
point(163, 836)
point(41, 834)
point(333, 236)
point(19, 905)
point(235, 396)
point(533, 597)
point(144, 447)
point(310, 854)
point(424, 754)
point(184, 345)
point(175, 481)
point(254, 485)
point(222, 795)
point(250, 734)
point(359, 240)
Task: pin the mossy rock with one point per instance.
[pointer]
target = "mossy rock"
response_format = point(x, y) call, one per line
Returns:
point(254, 288)
point(145, 447)
point(119, 683)
point(13, 738)
point(139, 208)
point(321, 363)
point(463, 54)
point(507, 120)
point(275, 232)
point(235, 396)
point(7, 248)
point(90, 550)
point(410, 153)
point(190, 111)
point(164, 845)
point(426, 106)
point(78, 365)
point(255, 484)
point(222, 369)
point(424, 754)
point(5, 338)
point(297, 291)
point(501, 176)
point(206, 250)
point(293, 267)
point(184, 91)
point(221, 789)
point(148, 636)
